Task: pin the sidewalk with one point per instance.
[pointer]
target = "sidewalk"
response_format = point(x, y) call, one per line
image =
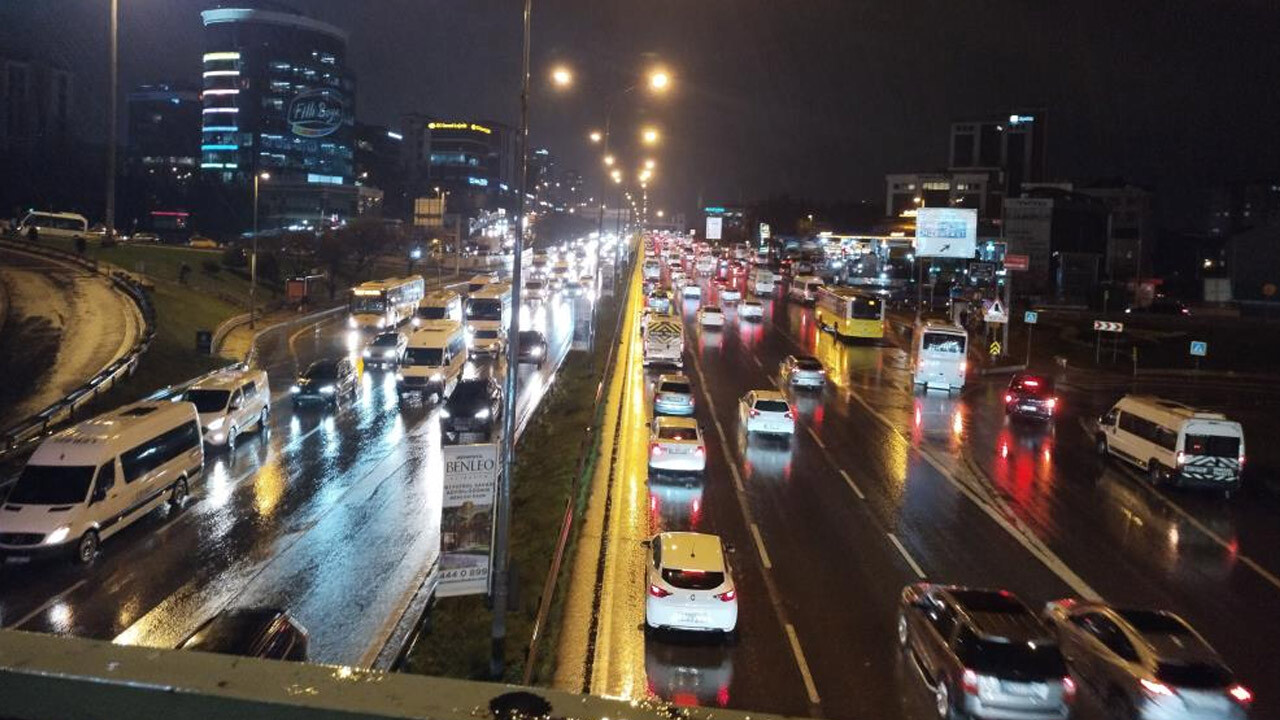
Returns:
point(239, 340)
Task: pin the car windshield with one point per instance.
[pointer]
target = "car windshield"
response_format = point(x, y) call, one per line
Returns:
point(432, 312)
point(1201, 675)
point(431, 356)
point(207, 401)
point(387, 340)
point(323, 370)
point(773, 406)
point(487, 334)
point(533, 285)
point(52, 485)
point(943, 343)
point(484, 309)
point(866, 308)
point(674, 387)
point(693, 579)
point(808, 364)
point(1148, 622)
point(1213, 446)
point(711, 310)
point(1012, 660)
point(468, 392)
point(530, 337)
point(677, 433)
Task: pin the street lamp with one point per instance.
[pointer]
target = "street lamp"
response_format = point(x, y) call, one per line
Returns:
point(649, 164)
point(562, 77)
point(596, 136)
point(253, 259)
point(650, 136)
point(608, 160)
point(659, 80)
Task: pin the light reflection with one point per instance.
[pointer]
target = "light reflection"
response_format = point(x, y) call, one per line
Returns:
point(60, 617)
point(218, 485)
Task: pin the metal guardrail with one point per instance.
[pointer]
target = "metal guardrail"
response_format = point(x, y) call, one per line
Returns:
point(23, 435)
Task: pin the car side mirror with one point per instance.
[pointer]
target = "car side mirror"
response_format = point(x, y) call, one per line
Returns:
point(236, 405)
point(99, 494)
point(730, 548)
point(646, 543)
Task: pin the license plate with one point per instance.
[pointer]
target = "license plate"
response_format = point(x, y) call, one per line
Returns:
point(1032, 408)
point(691, 618)
point(1035, 690)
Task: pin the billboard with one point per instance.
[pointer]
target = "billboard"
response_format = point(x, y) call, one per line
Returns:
point(466, 528)
point(715, 228)
point(946, 232)
point(1028, 231)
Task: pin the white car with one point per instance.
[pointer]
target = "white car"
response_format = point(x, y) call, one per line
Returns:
point(710, 316)
point(675, 445)
point(705, 265)
point(766, 411)
point(729, 294)
point(688, 585)
point(673, 395)
point(751, 310)
point(802, 371)
point(691, 290)
point(535, 291)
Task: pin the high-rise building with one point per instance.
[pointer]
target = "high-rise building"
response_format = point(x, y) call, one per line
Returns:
point(35, 104)
point(473, 162)
point(1012, 146)
point(162, 155)
point(278, 98)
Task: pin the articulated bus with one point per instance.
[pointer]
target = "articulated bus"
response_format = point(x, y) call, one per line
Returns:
point(849, 314)
point(380, 304)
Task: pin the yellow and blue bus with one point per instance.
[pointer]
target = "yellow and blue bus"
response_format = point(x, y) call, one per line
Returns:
point(850, 314)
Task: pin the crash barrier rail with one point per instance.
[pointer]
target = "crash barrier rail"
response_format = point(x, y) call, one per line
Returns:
point(587, 450)
point(47, 676)
point(24, 434)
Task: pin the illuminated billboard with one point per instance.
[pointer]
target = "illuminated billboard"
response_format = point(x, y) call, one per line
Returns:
point(946, 232)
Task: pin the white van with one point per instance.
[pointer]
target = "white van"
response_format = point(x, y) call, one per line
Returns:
point(652, 270)
point(940, 360)
point(804, 288)
point(54, 225)
point(762, 281)
point(231, 402)
point(663, 340)
point(433, 362)
point(88, 482)
point(488, 314)
point(439, 305)
point(1174, 442)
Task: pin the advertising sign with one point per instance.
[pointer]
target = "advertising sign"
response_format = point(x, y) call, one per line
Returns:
point(765, 231)
point(466, 527)
point(946, 232)
point(715, 228)
point(1028, 227)
point(1018, 263)
point(315, 113)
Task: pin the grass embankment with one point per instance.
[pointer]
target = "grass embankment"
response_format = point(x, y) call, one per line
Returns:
point(547, 464)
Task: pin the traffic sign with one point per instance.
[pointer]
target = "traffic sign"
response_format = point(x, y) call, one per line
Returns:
point(1017, 262)
point(1199, 348)
point(1029, 317)
point(995, 348)
point(995, 313)
point(1108, 326)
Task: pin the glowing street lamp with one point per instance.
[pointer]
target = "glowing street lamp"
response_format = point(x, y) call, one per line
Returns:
point(659, 80)
point(650, 136)
point(608, 160)
point(596, 136)
point(562, 77)
point(649, 164)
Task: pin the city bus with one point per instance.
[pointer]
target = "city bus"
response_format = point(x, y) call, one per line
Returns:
point(849, 314)
point(379, 304)
point(939, 360)
point(488, 313)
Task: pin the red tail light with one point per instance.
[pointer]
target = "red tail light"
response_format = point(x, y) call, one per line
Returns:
point(728, 596)
point(1240, 694)
point(754, 412)
point(700, 451)
point(969, 682)
point(790, 414)
point(1068, 689)
point(658, 592)
point(655, 449)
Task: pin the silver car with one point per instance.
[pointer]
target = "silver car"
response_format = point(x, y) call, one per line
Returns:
point(1146, 664)
point(802, 371)
point(673, 395)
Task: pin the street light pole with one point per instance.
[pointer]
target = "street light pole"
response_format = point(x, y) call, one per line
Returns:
point(109, 216)
point(502, 520)
point(253, 259)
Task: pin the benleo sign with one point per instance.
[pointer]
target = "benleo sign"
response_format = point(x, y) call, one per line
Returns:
point(466, 528)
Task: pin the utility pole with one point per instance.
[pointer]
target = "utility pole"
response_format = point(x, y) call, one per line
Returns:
point(109, 217)
point(502, 520)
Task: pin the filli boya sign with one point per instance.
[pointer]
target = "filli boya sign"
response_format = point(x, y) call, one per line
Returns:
point(315, 113)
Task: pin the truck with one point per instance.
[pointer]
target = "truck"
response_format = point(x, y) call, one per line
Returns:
point(663, 340)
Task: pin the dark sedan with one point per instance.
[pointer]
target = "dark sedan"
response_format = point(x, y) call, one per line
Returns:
point(532, 347)
point(326, 381)
point(1030, 396)
point(264, 633)
point(474, 408)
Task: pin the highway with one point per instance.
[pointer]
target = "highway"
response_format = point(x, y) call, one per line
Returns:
point(880, 487)
point(319, 517)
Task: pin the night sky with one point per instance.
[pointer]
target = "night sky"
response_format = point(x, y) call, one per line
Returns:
point(815, 98)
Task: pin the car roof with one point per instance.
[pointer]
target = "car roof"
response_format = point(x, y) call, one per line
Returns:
point(1168, 636)
point(667, 421)
point(226, 379)
point(692, 551)
point(322, 365)
point(391, 335)
point(998, 614)
point(470, 387)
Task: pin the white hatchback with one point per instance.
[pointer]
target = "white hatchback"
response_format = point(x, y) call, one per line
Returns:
point(691, 289)
point(710, 316)
point(675, 445)
point(729, 294)
point(673, 395)
point(766, 411)
point(751, 310)
point(688, 584)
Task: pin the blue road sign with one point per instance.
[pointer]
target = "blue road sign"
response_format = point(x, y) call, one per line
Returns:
point(1199, 348)
point(1030, 317)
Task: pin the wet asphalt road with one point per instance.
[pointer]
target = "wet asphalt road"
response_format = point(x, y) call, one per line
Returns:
point(882, 486)
point(319, 516)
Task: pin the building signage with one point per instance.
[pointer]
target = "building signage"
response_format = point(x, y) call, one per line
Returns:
point(315, 113)
point(946, 232)
point(466, 527)
point(1016, 263)
point(715, 228)
point(459, 126)
point(765, 231)
point(1028, 228)
point(982, 272)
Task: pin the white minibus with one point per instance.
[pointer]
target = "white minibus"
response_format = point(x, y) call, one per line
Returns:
point(433, 362)
point(439, 305)
point(1173, 442)
point(940, 360)
point(53, 225)
point(804, 288)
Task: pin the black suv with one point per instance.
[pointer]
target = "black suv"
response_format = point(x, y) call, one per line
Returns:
point(532, 347)
point(984, 653)
point(474, 408)
point(251, 632)
point(326, 381)
point(1030, 396)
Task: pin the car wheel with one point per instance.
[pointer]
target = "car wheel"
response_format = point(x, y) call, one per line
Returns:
point(1101, 446)
point(178, 496)
point(231, 439)
point(87, 548)
point(942, 701)
point(1154, 474)
point(903, 635)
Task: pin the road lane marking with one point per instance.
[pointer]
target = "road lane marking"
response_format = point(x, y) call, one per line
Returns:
point(764, 554)
point(757, 360)
point(47, 604)
point(804, 665)
point(915, 566)
point(852, 485)
point(815, 437)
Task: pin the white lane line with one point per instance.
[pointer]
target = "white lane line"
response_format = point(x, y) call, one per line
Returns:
point(47, 604)
point(852, 485)
point(815, 437)
point(757, 361)
point(804, 665)
point(915, 567)
point(764, 554)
